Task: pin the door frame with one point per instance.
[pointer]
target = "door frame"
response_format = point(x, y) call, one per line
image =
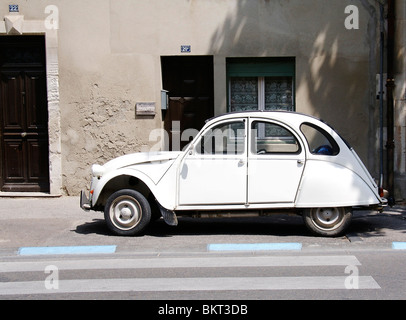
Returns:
point(38, 27)
point(176, 119)
point(199, 173)
point(278, 182)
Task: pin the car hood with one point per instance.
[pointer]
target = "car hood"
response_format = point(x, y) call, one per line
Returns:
point(140, 158)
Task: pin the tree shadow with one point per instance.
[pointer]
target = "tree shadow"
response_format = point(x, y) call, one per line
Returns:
point(379, 224)
point(335, 67)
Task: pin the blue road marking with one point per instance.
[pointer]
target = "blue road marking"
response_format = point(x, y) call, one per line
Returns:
point(254, 246)
point(399, 245)
point(66, 250)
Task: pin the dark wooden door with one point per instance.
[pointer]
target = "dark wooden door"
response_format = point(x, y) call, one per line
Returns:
point(189, 81)
point(23, 116)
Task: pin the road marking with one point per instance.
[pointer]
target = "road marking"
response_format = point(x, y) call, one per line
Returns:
point(399, 245)
point(254, 246)
point(186, 284)
point(66, 250)
point(159, 262)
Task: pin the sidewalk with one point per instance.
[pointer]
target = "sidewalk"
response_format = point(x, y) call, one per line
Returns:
point(29, 222)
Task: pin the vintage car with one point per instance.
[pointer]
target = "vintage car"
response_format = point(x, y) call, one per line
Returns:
point(239, 164)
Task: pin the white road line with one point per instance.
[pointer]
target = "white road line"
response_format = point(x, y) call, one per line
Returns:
point(186, 284)
point(207, 262)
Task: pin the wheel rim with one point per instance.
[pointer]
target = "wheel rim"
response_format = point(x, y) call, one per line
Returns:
point(327, 218)
point(125, 212)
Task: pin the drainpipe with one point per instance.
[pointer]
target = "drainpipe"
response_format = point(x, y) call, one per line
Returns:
point(381, 58)
point(390, 84)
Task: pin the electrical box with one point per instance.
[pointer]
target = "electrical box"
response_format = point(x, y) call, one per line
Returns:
point(164, 100)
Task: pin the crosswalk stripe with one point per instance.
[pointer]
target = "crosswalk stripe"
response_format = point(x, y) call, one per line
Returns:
point(186, 284)
point(52, 284)
point(158, 262)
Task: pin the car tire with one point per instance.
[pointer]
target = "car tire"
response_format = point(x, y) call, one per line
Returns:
point(127, 212)
point(328, 222)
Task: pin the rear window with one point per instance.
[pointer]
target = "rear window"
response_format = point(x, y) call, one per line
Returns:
point(320, 142)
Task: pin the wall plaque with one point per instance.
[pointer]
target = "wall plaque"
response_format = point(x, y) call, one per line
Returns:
point(145, 109)
point(185, 48)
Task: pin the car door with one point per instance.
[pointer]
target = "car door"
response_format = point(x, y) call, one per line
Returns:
point(214, 170)
point(276, 160)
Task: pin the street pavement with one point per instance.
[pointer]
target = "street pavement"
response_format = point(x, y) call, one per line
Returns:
point(47, 222)
point(50, 249)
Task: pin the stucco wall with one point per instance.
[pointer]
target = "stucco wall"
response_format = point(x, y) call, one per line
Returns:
point(400, 100)
point(109, 59)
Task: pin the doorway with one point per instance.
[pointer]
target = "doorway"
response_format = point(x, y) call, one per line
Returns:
point(190, 85)
point(24, 150)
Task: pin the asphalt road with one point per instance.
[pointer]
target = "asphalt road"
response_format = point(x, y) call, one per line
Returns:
point(60, 222)
point(207, 259)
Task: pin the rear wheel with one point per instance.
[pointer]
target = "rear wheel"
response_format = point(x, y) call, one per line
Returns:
point(327, 221)
point(127, 212)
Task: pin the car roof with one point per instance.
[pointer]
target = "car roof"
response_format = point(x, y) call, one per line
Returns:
point(277, 114)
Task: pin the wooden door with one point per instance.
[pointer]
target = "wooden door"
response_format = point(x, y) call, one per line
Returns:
point(189, 81)
point(23, 116)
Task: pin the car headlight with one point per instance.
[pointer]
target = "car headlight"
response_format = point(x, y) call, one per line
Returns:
point(97, 171)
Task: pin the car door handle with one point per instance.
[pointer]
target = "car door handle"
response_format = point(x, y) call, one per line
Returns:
point(300, 161)
point(241, 162)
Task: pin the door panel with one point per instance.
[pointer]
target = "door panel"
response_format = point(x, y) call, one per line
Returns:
point(215, 170)
point(276, 162)
point(35, 97)
point(36, 149)
point(273, 179)
point(13, 161)
point(11, 87)
point(218, 180)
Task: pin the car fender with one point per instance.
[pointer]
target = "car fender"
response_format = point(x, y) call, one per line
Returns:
point(328, 184)
point(99, 184)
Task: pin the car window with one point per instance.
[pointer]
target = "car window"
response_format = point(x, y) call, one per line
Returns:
point(225, 138)
point(320, 142)
point(268, 137)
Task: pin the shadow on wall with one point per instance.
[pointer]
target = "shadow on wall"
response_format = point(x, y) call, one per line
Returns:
point(335, 67)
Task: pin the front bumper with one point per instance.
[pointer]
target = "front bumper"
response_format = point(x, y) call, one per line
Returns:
point(84, 201)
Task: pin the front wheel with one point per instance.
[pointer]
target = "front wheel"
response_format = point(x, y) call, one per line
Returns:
point(328, 222)
point(127, 212)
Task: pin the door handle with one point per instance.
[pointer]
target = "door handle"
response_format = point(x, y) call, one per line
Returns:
point(300, 161)
point(241, 162)
point(23, 134)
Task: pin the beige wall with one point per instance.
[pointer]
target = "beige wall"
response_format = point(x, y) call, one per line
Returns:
point(109, 59)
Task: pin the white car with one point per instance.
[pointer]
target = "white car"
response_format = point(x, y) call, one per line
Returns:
point(243, 164)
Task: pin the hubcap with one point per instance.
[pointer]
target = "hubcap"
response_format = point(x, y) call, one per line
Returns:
point(327, 218)
point(125, 212)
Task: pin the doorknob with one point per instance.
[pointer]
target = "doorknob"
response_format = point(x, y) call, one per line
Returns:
point(23, 134)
